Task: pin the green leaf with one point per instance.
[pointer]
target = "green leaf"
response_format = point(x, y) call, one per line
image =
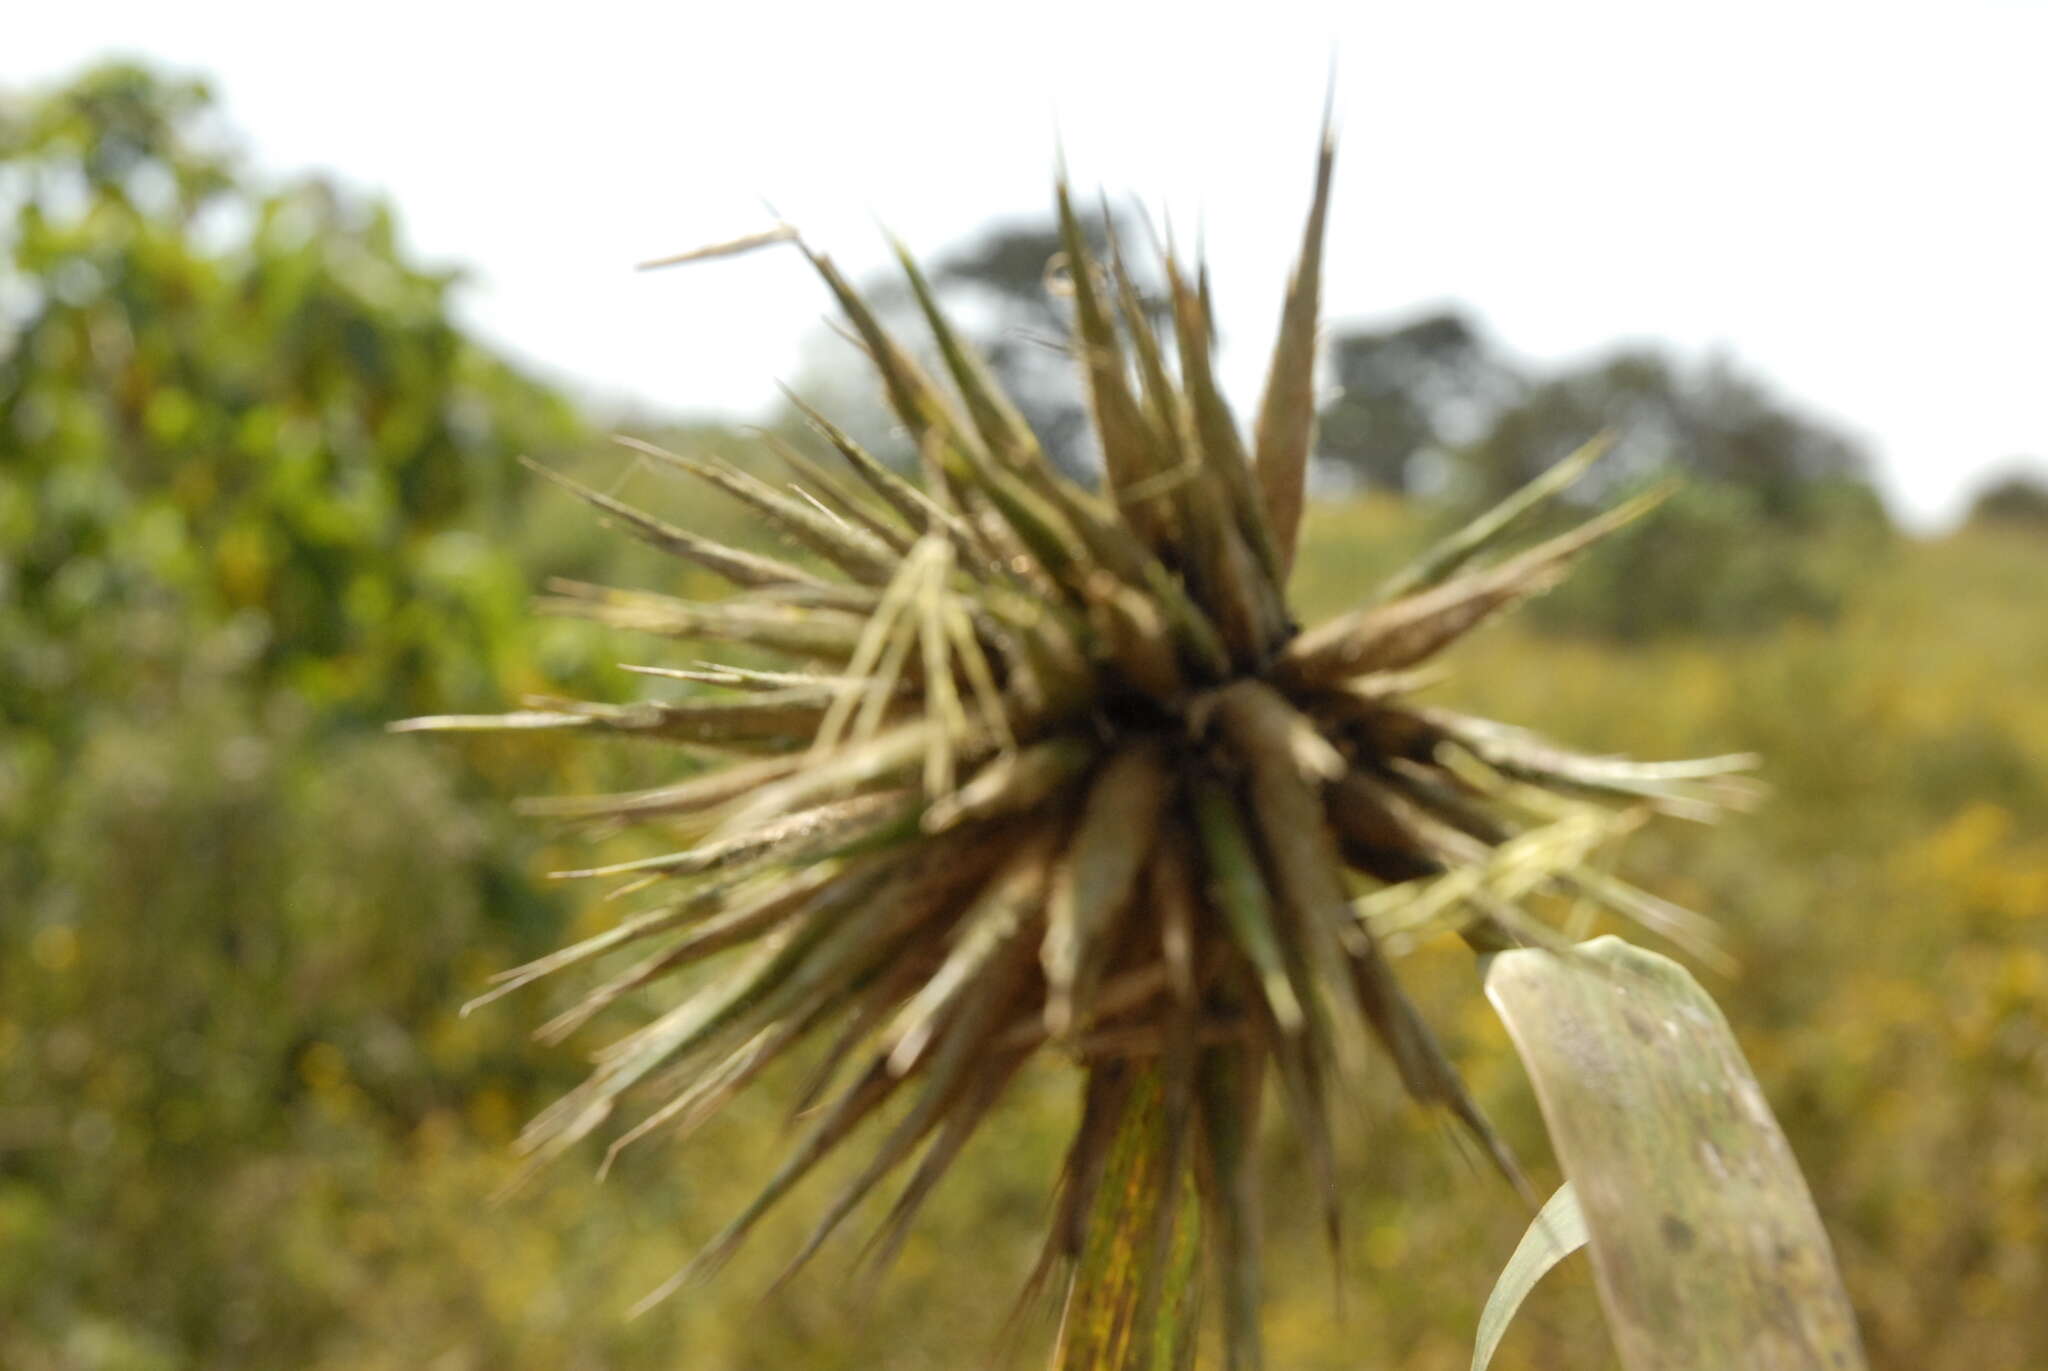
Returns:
point(1557, 1231)
point(1707, 1249)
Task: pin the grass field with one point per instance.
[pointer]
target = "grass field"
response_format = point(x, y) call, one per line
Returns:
point(242, 1125)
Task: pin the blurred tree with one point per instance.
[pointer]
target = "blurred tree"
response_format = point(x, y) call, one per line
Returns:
point(1709, 422)
point(2016, 500)
point(256, 496)
point(1436, 388)
point(1000, 288)
point(1716, 560)
point(1776, 520)
point(1004, 279)
point(1406, 394)
point(237, 418)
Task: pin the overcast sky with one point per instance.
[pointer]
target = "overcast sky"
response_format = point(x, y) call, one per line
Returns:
point(1849, 200)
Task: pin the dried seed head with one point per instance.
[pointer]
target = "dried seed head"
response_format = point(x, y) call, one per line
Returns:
point(1051, 770)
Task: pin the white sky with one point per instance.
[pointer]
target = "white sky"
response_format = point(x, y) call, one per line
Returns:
point(1850, 200)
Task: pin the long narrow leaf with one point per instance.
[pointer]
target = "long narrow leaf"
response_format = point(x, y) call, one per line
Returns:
point(1558, 1230)
point(1287, 415)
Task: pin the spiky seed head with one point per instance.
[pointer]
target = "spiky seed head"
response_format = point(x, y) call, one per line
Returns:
point(1051, 769)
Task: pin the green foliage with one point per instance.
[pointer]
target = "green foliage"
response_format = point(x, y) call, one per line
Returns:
point(1410, 392)
point(242, 1125)
point(204, 1202)
point(1709, 422)
point(2018, 501)
point(235, 410)
point(1889, 908)
point(1777, 519)
point(1714, 560)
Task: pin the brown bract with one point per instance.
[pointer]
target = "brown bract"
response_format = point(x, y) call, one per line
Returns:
point(1050, 770)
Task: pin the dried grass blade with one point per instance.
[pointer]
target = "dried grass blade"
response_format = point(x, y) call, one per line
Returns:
point(1303, 1074)
point(918, 403)
point(1425, 1071)
point(643, 925)
point(1237, 889)
point(708, 1092)
point(856, 552)
point(1695, 789)
point(784, 717)
point(1402, 634)
point(1111, 842)
point(521, 721)
point(996, 919)
point(740, 567)
point(911, 504)
point(684, 797)
point(1221, 449)
point(961, 1122)
point(1013, 782)
point(740, 922)
point(842, 937)
point(781, 233)
point(822, 485)
point(805, 835)
point(1299, 857)
point(1446, 556)
point(809, 634)
point(891, 756)
point(1002, 427)
point(1287, 414)
point(677, 1032)
point(947, 1080)
point(857, 1102)
point(1129, 454)
point(873, 997)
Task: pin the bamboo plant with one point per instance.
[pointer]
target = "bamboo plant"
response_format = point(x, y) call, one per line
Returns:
point(1049, 770)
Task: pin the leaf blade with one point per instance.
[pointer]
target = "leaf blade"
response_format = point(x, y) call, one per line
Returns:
point(1707, 1249)
point(1557, 1231)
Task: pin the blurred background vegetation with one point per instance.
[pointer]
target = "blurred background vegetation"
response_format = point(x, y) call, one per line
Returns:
point(256, 497)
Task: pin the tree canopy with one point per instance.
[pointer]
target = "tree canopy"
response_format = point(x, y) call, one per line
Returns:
point(235, 409)
point(2018, 499)
point(1410, 394)
point(1436, 392)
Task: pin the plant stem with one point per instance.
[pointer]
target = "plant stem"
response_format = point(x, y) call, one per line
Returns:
point(1133, 1302)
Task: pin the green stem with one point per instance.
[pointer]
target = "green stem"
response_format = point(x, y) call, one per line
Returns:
point(1133, 1302)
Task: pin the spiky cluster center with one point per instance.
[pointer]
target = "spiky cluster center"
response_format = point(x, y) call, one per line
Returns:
point(1046, 766)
